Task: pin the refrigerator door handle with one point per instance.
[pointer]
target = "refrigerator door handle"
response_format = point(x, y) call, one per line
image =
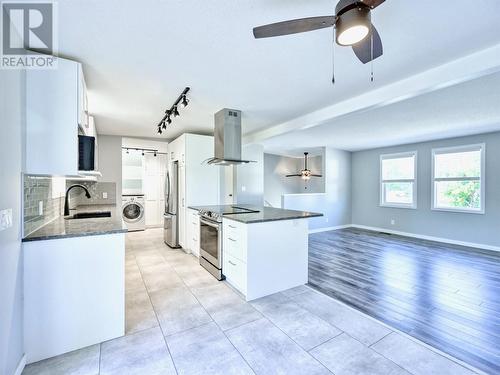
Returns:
point(167, 198)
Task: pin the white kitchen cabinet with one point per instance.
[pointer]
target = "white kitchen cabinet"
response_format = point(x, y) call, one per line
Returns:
point(198, 181)
point(193, 232)
point(56, 106)
point(154, 188)
point(74, 293)
point(260, 259)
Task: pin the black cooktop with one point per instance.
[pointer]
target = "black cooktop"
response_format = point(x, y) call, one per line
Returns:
point(233, 210)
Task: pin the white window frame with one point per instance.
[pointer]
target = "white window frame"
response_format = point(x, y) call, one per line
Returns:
point(482, 179)
point(412, 205)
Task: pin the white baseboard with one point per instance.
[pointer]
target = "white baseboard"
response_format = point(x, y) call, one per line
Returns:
point(430, 238)
point(327, 229)
point(21, 365)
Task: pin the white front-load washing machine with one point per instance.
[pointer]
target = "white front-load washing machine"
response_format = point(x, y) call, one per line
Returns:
point(133, 212)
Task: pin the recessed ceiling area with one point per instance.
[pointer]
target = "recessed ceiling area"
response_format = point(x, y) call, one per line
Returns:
point(137, 57)
point(464, 109)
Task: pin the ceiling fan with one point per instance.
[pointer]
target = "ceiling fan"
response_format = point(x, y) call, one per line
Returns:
point(305, 174)
point(352, 23)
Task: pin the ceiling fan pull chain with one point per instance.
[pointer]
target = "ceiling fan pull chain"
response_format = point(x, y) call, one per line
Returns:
point(371, 51)
point(333, 57)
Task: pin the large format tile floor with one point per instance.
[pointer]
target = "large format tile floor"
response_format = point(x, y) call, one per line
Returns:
point(180, 320)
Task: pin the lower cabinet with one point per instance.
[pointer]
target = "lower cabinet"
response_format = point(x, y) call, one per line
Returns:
point(193, 232)
point(263, 258)
point(74, 293)
point(234, 258)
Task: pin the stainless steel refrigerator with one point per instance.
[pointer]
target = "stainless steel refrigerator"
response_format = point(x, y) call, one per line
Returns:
point(170, 217)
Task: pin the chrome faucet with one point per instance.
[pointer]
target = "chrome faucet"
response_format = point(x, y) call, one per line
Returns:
point(66, 200)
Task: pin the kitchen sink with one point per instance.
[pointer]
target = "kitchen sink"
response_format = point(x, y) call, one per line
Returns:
point(89, 215)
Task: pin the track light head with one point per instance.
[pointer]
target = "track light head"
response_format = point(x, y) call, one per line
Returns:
point(154, 154)
point(175, 111)
point(169, 120)
point(159, 130)
point(142, 152)
point(184, 102)
point(163, 125)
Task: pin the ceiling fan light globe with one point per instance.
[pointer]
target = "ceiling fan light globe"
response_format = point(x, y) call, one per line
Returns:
point(353, 26)
point(353, 35)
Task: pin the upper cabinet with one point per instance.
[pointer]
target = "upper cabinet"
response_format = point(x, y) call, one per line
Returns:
point(56, 112)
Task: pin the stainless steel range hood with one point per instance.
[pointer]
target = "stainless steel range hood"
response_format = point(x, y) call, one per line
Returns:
point(227, 138)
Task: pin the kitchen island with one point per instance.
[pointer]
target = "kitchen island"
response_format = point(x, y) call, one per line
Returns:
point(263, 252)
point(74, 283)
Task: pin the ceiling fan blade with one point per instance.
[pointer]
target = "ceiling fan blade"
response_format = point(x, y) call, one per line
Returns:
point(293, 175)
point(316, 175)
point(363, 49)
point(372, 3)
point(293, 26)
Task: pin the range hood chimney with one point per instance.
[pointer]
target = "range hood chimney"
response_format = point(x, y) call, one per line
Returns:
point(227, 138)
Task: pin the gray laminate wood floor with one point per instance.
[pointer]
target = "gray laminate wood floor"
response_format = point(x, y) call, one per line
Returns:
point(447, 296)
point(180, 320)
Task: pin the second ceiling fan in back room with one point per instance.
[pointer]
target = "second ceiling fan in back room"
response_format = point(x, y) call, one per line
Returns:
point(352, 24)
point(305, 174)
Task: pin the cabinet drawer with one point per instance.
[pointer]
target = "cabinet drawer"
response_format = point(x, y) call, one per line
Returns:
point(233, 230)
point(235, 247)
point(236, 272)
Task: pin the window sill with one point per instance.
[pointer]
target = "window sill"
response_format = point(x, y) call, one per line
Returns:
point(388, 205)
point(458, 210)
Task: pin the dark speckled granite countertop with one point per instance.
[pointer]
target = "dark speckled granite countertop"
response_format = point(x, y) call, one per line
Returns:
point(62, 228)
point(265, 213)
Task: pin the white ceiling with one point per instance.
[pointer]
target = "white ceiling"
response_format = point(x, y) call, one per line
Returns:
point(468, 108)
point(139, 55)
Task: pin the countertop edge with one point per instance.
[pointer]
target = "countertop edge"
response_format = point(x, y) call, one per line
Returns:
point(256, 221)
point(73, 235)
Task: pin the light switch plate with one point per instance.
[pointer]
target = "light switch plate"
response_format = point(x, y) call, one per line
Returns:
point(40, 208)
point(104, 195)
point(5, 219)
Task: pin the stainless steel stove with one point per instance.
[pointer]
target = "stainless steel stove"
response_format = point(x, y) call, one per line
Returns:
point(211, 236)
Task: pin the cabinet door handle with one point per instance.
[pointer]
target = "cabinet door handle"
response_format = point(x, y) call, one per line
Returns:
point(195, 240)
point(230, 239)
point(231, 263)
point(230, 226)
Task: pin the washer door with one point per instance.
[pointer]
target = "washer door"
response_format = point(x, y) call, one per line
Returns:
point(132, 212)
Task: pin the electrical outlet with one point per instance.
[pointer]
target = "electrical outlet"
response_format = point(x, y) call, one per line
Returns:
point(5, 219)
point(393, 222)
point(243, 188)
point(326, 219)
point(40, 208)
point(104, 195)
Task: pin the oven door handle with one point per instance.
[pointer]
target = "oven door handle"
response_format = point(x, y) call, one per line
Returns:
point(210, 223)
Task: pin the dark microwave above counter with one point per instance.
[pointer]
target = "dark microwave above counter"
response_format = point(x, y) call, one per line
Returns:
point(86, 153)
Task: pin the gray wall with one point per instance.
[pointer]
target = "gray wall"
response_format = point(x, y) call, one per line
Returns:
point(12, 120)
point(476, 228)
point(276, 167)
point(110, 161)
point(335, 203)
point(249, 178)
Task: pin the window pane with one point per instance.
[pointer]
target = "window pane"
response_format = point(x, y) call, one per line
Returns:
point(458, 194)
point(399, 168)
point(398, 192)
point(458, 164)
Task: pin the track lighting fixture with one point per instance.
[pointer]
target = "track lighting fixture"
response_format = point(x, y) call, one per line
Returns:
point(174, 111)
point(184, 102)
point(145, 151)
